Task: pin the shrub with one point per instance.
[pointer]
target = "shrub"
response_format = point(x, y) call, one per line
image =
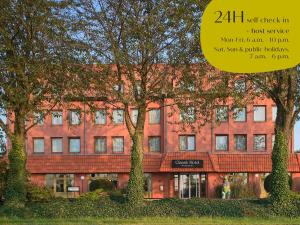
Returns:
point(219, 190)
point(104, 184)
point(38, 193)
point(239, 190)
point(268, 183)
point(117, 195)
point(3, 177)
point(94, 195)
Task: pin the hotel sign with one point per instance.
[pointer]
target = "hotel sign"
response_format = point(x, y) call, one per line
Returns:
point(189, 163)
point(73, 189)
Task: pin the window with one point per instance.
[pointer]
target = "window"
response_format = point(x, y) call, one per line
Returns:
point(119, 88)
point(57, 144)
point(100, 116)
point(38, 145)
point(100, 144)
point(274, 113)
point(74, 145)
point(222, 114)
point(222, 142)
point(138, 87)
point(187, 86)
point(38, 118)
point(118, 144)
point(154, 116)
point(259, 113)
point(154, 144)
point(240, 114)
point(118, 116)
point(260, 142)
point(57, 117)
point(273, 140)
point(74, 117)
point(187, 115)
point(59, 183)
point(240, 142)
point(240, 86)
point(187, 143)
point(134, 115)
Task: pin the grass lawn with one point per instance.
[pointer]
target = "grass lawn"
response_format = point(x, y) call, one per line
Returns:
point(152, 220)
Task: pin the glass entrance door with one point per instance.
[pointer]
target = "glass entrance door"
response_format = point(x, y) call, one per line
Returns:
point(189, 186)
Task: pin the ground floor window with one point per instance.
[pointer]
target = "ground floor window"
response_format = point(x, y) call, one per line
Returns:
point(112, 177)
point(147, 185)
point(190, 185)
point(59, 183)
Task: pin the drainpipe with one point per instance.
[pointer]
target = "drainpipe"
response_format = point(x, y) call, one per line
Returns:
point(84, 129)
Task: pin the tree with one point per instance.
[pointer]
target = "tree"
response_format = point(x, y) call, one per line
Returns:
point(283, 87)
point(35, 64)
point(142, 52)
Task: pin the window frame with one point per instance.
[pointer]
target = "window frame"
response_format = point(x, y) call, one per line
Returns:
point(62, 145)
point(186, 142)
point(94, 117)
point(227, 143)
point(112, 145)
point(33, 145)
point(259, 150)
point(69, 145)
point(246, 115)
point(70, 112)
point(154, 109)
point(227, 117)
point(260, 106)
point(62, 117)
point(122, 116)
point(150, 137)
point(100, 137)
point(235, 147)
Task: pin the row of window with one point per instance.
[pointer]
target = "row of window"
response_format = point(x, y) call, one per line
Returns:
point(186, 143)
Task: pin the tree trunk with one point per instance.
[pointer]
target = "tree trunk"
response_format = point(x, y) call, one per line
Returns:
point(15, 194)
point(135, 189)
point(280, 180)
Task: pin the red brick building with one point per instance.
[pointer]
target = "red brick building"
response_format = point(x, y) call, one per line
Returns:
point(71, 148)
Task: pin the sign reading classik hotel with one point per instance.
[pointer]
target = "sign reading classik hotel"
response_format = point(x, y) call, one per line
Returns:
point(187, 163)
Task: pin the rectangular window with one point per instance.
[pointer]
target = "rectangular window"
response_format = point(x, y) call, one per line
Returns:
point(74, 145)
point(38, 118)
point(119, 88)
point(118, 116)
point(118, 144)
point(222, 114)
point(259, 113)
point(274, 113)
point(240, 86)
point(154, 116)
point(260, 142)
point(57, 117)
point(100, 144)
point(273, 140)
point(222, 142)
point(240, 114)
point(240, 142)
point(38, 145)
point(100, 117)
point(154, 144)
point(57, 145)
point(74, 117)
point(187, 115)
point(134, 115)
point(187, 143)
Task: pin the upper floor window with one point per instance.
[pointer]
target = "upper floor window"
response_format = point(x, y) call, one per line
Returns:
point(240, 85)
point(274, 113)
point(187, 143)
point(187, 86)
point(119, 88)
point(154, 116)
point(222, 114)
point(240, 114)
point(187, 115)
point(74, 145)
point(260, 142)
point(154, 144)
point(100, 144)
point(57, 144)
point(259, 113)
point(57, 118)
point(118, 116)
point(118, 144)
point(273, 140)
point(222, 142)
point(100, 116)
point(38, 145)
point(134, 115)
point(74, 117)
point(38, 118)
point(240, 142)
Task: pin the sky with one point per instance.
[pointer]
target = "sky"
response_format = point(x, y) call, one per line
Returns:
point(297, 136)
